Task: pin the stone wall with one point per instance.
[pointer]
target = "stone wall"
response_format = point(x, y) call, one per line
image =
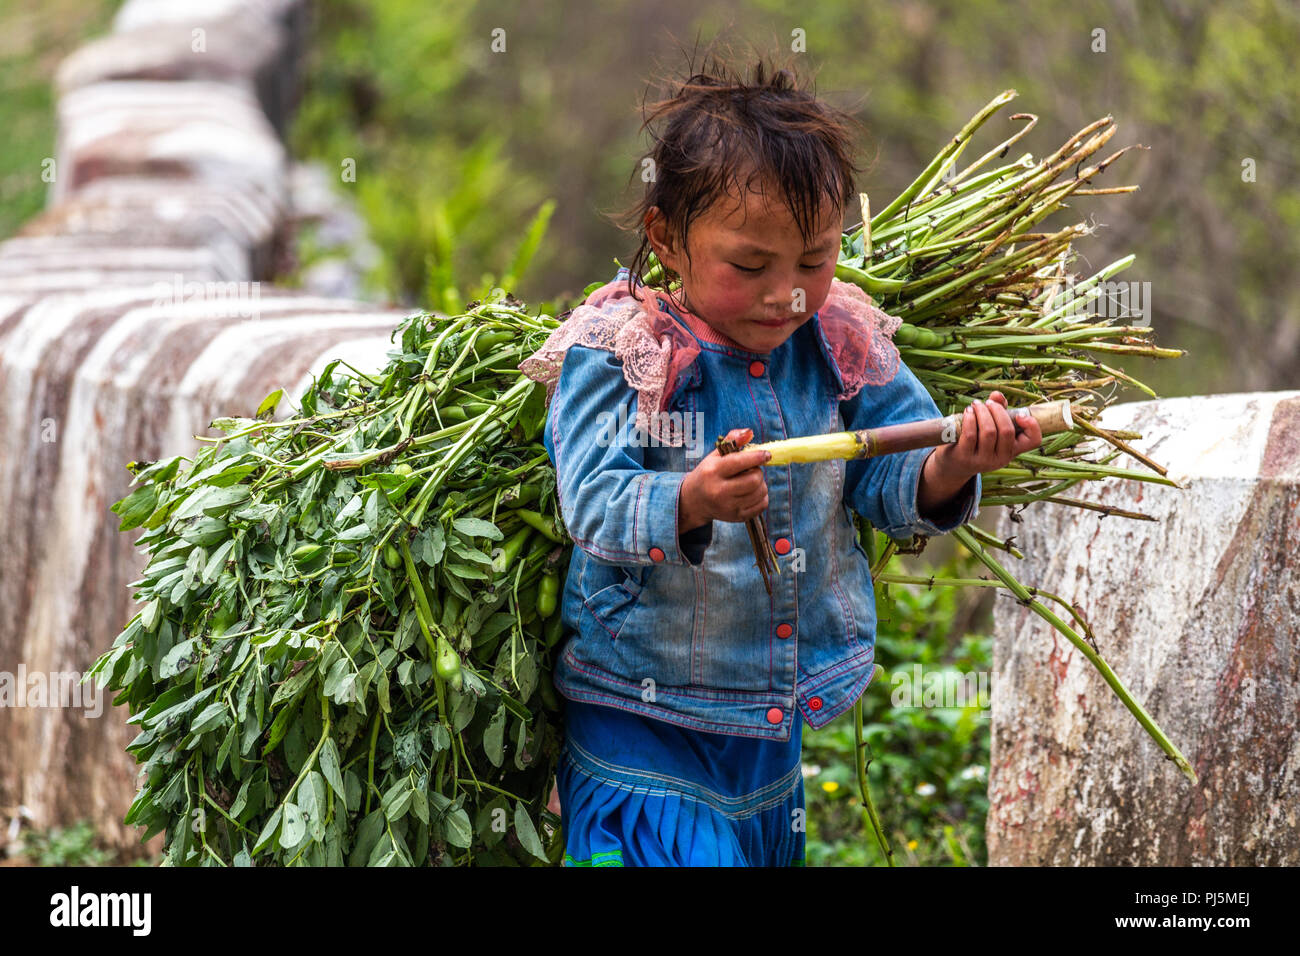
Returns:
point(134, 310)
point(1198, 614)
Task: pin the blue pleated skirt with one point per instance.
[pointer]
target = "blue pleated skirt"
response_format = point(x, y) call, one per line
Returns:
point(635, 791)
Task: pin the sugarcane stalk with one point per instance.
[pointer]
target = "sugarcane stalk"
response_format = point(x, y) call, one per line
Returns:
point(890, 439)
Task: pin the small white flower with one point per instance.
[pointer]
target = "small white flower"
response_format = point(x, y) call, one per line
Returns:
point(811, 770)
point(975, 772)
point(926, 790)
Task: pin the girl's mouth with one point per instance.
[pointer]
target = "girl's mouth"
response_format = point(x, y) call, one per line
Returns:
point(774, 323)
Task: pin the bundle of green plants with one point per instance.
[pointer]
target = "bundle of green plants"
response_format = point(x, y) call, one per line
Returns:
point(342, 653)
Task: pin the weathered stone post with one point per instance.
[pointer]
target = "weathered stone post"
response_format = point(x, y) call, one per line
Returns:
point(1198, 613)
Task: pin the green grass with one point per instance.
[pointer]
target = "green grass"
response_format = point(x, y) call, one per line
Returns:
point(75, 845)
point(35, 36)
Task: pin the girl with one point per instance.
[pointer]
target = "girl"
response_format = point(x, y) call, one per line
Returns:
point(687, 684)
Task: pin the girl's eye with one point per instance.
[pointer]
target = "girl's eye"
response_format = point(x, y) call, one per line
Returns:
point(760, 268)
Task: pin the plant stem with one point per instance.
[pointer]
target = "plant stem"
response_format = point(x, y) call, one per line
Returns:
point(1085, 649)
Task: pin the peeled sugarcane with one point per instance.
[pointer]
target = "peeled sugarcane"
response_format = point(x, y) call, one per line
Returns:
point(890, 439)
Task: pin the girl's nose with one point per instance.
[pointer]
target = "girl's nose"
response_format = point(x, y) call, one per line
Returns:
point(779, 297)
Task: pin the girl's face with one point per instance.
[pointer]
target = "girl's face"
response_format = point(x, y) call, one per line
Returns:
point(750, 276)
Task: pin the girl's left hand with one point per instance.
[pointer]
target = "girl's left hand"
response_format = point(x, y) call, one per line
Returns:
point(989, 438)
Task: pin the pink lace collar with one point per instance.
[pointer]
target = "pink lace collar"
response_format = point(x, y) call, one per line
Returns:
point(656, 351)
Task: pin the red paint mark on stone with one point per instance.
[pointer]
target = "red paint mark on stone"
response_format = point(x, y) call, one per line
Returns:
point(1057, 662)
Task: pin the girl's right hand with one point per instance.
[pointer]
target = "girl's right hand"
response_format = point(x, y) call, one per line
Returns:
point(724, 487)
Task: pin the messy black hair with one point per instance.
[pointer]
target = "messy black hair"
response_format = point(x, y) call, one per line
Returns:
point(715, 127)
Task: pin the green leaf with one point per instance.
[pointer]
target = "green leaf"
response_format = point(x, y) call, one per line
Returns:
point(279, 726)
point(269, 403)
point(463, 712)
point(491, 820)
point(368, 834)
point(295, 827)
point(291, 687)
point(217, 562)
point(526, 675)
point(521, 746)
point(136, 507)
point(470, 553)
point(241, 800)
point(311, 800)
point(435, 543)
point(212, 501)
point(457, 587)
point(329, 766)
point(397, 800)
point(527, 833)
point(179, 659)
point(494, 737)
point(384, 852)
point(477, 527)
point(493, 626)
point(459, 831)
point(467, 571)
point(210, 717)
point(151, 614)
point(441, 738)
point(353, 507)
point(341, 668)
point(532, 413)
point(407, 630)
point(420, 805)
point(268, 831)
point(357, 532)
point(406, 748)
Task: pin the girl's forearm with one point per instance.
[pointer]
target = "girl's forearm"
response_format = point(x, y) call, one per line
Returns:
point(939, 484)
point(688, 515)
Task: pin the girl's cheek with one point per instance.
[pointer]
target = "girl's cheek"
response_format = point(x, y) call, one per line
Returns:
point(728, 295)
point(733, 302)
point(817, 289)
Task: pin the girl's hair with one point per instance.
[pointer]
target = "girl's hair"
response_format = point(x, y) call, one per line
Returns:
point(715, 128)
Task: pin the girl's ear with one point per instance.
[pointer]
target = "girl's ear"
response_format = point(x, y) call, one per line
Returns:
point(656, 230)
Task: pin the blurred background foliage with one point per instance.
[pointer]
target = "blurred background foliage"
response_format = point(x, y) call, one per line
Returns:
point(448, 130)
point(463, 117)
point(34, 36)
point(459, 148)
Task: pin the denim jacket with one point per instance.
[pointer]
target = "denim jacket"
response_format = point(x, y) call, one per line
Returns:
point(679, 627)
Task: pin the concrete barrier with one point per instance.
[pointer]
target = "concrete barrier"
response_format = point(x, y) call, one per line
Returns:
point(133, 311)
point(1197, 613)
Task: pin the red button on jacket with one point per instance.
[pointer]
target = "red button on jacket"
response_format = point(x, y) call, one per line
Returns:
point(782, 545)
point(815, 703)
point(774, 716)
point(784, 630)
point(656, 554)
point(756, 368)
